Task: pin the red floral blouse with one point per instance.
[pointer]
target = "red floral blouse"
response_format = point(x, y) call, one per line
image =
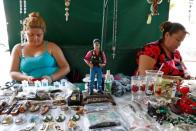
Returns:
point(172, 66)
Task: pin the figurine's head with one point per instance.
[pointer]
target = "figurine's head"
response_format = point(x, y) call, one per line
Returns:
point(96, 43)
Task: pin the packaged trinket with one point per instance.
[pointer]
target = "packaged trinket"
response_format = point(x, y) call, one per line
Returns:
point(80, 110)
point(34, 119)
point(25, 84)
point(19, 120)
point(3, 104)
point(56, 84)
point(44, 83)
point(29, 127)
point(48, 118)
point(165, 89)
point(75, 99)
point(75, 117)
point(57, 127)
point(8, 109)
point(44, 127)
point(63, 82)
point(34, 108)
point(103, 119)
point(97, 107)
point(64, 108)
point(99, 98)
point(7, 119)
point(44, 109)
point(37, 84)
point(42, 95)
point(71, 124)
point(22, 108)
point(115, 128)
point(60, 118)
point(15, 110)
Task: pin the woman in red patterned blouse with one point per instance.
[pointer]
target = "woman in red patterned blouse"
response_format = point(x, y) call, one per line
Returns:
point(154, 54)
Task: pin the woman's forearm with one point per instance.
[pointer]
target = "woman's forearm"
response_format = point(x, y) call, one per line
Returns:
point(18, 76)
point(60, 73)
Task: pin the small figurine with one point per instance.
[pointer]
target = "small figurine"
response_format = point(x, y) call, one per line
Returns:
point(96, 60)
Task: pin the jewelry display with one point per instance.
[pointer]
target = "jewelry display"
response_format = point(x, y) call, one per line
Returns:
point(98, 110)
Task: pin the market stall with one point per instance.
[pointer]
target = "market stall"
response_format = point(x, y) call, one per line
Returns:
point(63, 107)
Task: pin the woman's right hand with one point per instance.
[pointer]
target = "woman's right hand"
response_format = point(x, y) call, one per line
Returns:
point(30, 79)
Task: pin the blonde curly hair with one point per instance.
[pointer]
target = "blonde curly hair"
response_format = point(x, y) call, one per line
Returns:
point(34, 20)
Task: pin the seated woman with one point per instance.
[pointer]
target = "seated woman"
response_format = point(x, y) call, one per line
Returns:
point(164, 52)
point(37, 58)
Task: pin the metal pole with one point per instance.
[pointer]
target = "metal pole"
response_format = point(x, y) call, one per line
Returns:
point(104, 23)
point(114, 35)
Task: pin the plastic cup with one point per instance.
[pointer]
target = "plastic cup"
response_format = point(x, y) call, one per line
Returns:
point(142, 84)
point(153, 78)
point(135, 86)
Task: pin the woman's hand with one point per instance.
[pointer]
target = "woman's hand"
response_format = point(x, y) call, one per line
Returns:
point(49, 78)
point(101, 65)
point(90, 65)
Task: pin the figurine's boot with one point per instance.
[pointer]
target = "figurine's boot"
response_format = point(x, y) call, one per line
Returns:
point(100, 90)
point(91, 91)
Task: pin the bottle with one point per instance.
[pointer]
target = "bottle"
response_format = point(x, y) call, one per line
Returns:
point(108, 82)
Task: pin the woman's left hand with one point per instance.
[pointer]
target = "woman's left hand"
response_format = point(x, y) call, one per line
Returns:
point(49, 78)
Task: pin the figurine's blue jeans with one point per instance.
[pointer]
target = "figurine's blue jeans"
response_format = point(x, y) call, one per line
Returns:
point(93, 71)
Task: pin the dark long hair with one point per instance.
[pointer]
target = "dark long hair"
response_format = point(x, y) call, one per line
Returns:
point(171, 28)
